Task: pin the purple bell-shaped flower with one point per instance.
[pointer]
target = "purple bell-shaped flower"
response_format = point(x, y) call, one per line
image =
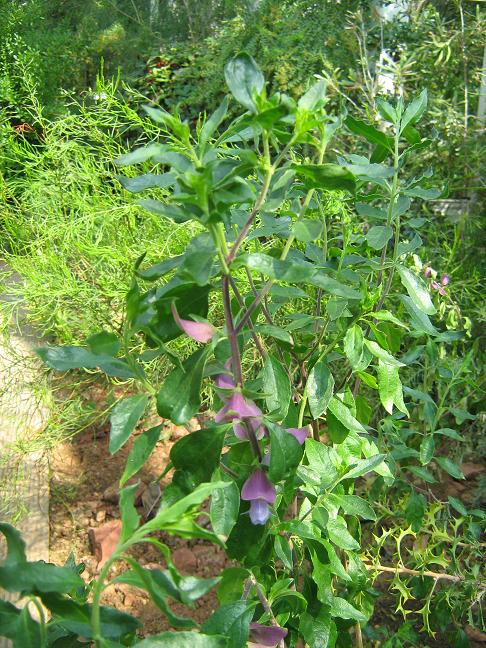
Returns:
point(260, 492)
point(264, 635)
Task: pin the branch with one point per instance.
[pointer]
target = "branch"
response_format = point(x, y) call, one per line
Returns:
point(414, 572)
point(235, 352)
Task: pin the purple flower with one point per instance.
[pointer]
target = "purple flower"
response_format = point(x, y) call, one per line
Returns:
point(225, 380)
point(260, 492)
point(299, 433)
point(241, 430)
point(237, 407)
point(427, 271)
point(199, 331)
point(267, 635)
point(445, 280)
point(435, 285)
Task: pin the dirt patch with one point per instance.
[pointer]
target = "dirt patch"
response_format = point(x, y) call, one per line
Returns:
point(84, 482)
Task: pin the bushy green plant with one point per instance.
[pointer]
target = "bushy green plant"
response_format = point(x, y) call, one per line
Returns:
point(66, 229)
point(316, 440)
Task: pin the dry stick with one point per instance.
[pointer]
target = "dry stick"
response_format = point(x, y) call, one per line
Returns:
point(414, 572)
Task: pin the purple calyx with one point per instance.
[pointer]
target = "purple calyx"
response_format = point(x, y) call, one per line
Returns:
point(267, 635)
point(199, 331)
point(300, 434)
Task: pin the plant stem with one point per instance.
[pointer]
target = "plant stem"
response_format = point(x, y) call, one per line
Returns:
point(232, 334)
point(264, 291)
point(239, 298)
point(42, 618)
point(258, 203)
point(414, 572)
point(97, 591)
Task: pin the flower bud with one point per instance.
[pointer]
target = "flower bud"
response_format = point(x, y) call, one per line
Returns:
point(199, 331)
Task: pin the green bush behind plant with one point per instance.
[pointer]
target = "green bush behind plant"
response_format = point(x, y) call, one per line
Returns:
point(68, 228)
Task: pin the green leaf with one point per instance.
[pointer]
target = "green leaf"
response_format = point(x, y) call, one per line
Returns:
point(314, 97)
point(335, 564)
point(233, 621)
point(198, 260)
point(224, 510)
point(139, 155)
point(124, 418)
point(378, 236)
point(318, 456)
point(340, 536)
point(417, 290)
point(182, 640)
point(175, 511)
point(364, 466)
point(372, 134)
point(283, 551)
point(140, 452)
point(173, 212)
point(450, 467)
point(419, 320)
point(387, 111)
point(448, 432)
point(285, 453)
point(422, 473)
point(160, 269)
point(344, 610)
point(344, 416)
point(414, 111)
point(18, 625)
point(179, 397)
point(104, 343)
point(390, 387)
point(73, 357)
point(352, 505)
point(76, 617)
point(15, 545)
point(307, 230)
point(275, 331)
point(457, 505)
point(159, 585)
point(353, 348)
point(231, 585)
point(277, 388)
point(336, 431)
point(326, 176)
point(129, 516)
point(415, 510)
point(39, 576)
point(244, 79)
point(148, 181)
point(318, 632)
point(188, 452)
point(383, 355)
point(320, 387)
point(211, 124)
point(28, 633)
point(427, 448)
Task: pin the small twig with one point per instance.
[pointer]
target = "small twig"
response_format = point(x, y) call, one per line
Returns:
point(414, 572)
point(228, 471)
